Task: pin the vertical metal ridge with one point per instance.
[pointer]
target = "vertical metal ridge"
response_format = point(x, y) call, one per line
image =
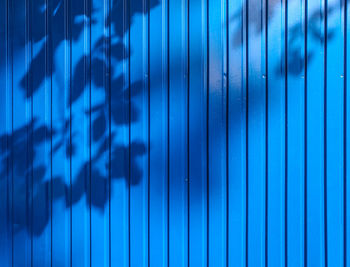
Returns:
point(306, 131)
point(266, 127)
point(168, 134)
point(28, 184)
point(247, 127)
point(67, 81)
point(108, 89)
point(90, 132)
point(244, 117)
point(31, 131)
point(10, 44)
point(30, 181)
point(87, 103)
point(108, 59)
point(208, 84)
point(149, 131)
point(325, 128)
point(49, 59)
point(188, 133)
point(244, 94)
point(51, 129)
point(69, 38)
point(8, 146)
point(345, 127)
point(227, 132)
point(286, 134)
point(129, 116)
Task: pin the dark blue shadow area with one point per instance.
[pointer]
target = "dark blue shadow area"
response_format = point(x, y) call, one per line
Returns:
point(21, 148)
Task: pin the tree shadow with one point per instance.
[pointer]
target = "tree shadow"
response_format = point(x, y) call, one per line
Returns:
point(16, 148)
point(20, 149)
point(296, 32)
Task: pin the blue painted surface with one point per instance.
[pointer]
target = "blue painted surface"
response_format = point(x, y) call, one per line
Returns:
point(174, 133)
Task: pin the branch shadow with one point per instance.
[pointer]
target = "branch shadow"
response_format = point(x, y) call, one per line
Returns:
point(21, 148)
point(16, 148)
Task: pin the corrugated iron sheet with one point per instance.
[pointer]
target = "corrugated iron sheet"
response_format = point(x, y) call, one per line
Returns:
point(174, 133)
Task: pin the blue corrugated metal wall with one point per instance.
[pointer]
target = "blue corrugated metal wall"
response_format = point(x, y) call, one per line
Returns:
point(174, 133)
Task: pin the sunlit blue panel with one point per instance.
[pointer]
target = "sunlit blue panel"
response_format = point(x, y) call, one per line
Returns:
point(139, 119)
point(197, 101)
point(159, 133)
point(335, 132)
point(256, 105)
point(217, 122)
point(178, 133)
point(237, 134)
point(295, 133)
point(347, 136)
point(276, 132)
point(315, 134)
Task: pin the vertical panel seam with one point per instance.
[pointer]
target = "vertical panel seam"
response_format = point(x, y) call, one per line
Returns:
point(108, 84)
point(48, 13)
point(325, 129)
point(108, 55)
point(149, 132)
point(247, 127)
point(90, 121)
point(168, 133)
point(227, 132)
point(345, 129)
point(10, 36)
point(207, 126)
point(129, 116)
point(286, 134)
point(69, 34)
point(266, 131)
point(306, 131)
point(31, 90)
point(29, 42)
point(70, 127)
point(188, 133)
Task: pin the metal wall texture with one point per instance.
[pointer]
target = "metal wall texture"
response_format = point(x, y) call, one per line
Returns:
point(174, 133)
